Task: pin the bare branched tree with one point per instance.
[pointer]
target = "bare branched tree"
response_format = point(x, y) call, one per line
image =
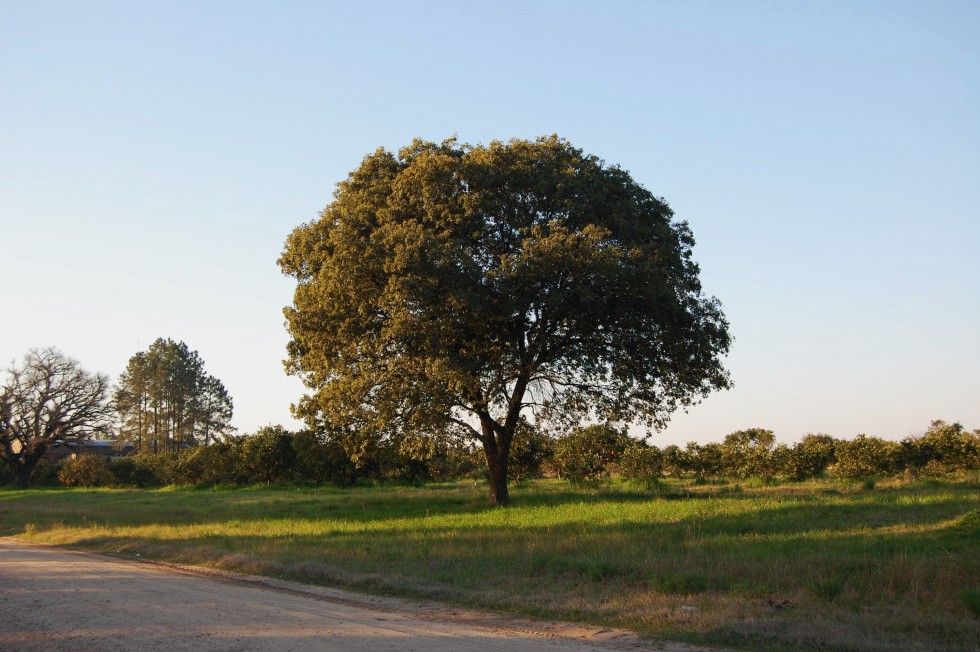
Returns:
point(49, 399)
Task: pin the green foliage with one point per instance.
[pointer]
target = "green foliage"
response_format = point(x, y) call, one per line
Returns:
point(586, 454)
point(642, 464)
point(86, 471)
point(218, 463)
point(450, 286)
point(165, 468)
point(462, 460)
point(268, 456)
point(865, 457)
point(416, 457)
point(748, 453)
point(166, 401)
point(133, 471)
point(970, 597)
point(778, 463)
point(943, 448)
point(46, 473)
point(530, 449)
point(704, 461)
point(276, 456)
point(811, 456)
point(676, 461)
point(321, 460)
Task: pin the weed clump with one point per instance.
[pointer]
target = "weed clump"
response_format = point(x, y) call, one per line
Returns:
point(971, 599)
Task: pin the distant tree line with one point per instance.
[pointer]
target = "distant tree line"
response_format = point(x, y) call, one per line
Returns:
point(178, 417)
point(165, 401)
point(274, 455)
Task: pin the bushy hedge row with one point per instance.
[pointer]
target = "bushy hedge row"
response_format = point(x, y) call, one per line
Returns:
point(274, 455)
point(943, 449)
point(590, 453)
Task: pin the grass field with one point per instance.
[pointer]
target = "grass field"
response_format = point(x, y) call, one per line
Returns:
point(822, 565)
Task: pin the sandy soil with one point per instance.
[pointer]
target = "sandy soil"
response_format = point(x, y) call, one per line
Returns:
point(56, 600)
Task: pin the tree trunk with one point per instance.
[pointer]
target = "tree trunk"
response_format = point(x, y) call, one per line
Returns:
point(496, 448)
point(24, 472)
point(497, 467)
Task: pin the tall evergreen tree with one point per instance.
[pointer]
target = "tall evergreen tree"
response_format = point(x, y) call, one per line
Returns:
point(166, 401)
point(212, 410)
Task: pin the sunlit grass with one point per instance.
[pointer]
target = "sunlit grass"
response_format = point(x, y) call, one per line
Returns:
point(812, 565)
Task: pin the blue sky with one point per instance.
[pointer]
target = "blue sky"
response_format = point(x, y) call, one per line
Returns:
point(154, 156)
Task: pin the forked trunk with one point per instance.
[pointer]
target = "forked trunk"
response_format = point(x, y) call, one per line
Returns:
point(496, 448)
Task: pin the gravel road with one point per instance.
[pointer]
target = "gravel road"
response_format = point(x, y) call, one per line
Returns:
point(57, 600)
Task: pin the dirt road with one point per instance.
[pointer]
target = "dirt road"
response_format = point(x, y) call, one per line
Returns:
point(56, 600)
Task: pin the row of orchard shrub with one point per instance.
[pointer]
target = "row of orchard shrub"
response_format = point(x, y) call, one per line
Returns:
point(274, 455)
point(943, 449)
point(597, 451)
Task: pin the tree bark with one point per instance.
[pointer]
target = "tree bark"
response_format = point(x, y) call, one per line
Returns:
point(496, 447)
point(23, 480)
point(497, 467)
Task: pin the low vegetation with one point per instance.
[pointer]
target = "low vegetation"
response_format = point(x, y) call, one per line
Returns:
point(822, 564)
point(861, 544)
point(274, 455)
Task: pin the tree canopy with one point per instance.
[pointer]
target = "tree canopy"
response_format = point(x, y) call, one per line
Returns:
point(451, 286)
point(47, 401)
point(166, 400)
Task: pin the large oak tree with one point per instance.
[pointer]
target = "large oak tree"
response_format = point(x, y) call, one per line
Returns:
point(456, 286)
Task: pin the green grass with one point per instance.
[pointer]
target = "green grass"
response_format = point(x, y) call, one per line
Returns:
point(821, 565)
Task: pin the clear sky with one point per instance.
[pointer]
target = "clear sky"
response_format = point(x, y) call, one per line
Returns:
point(154, 156)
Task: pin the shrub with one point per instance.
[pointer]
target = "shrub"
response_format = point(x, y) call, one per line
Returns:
point(530, 449)
point(943, 448)
point(778, 462)
point(164, 466)
point(704, 461)
point(218, 463)
point(86, 471)
point(747, 453)
point(865, 457)
point(7, 476)
point(133, 471)
point(811, 456)
point(460, 460)
point(676, 461)
point(971, 599)
point(46, 473)
point(320, 460)
point(268, 456)
point(642, 464)
point(586, 454)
